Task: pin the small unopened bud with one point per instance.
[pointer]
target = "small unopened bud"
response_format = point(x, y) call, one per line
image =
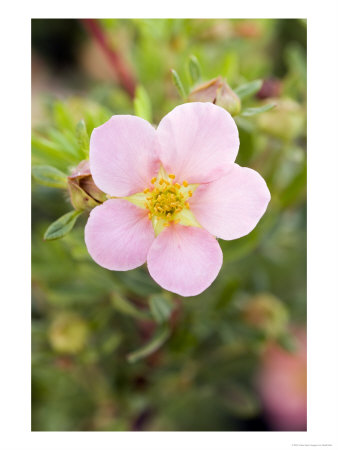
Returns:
point(271, 87)
point(68, 333)
point(228, 99)
point(217, 91)
point(286, 121)
point(267, 313)
point(206, 92)
point(84, 194)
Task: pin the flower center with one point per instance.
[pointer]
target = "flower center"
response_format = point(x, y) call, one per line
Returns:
point(166, 199)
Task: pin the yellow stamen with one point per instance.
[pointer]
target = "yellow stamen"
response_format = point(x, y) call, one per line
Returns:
point(166, 199)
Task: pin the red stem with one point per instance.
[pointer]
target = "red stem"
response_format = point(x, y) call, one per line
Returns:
point(125, 78)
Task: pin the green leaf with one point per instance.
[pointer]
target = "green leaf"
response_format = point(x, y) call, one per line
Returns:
point(122, 305)
point(245, 124)
point(82, 138)
point(161, 307)
point(49, 176)
point(159, 338)
point(61, 226)
point(62, 116)
point(244, 90)
point(230, 66)
point(296, 188)
point(142, 104)
point(295, 57)
point(178, 83)
point(253, 111)
point(139, 282)
point(66, 141)
point(45, 149)
point(194, 69)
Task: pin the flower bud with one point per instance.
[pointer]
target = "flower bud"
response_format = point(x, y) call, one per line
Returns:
point(68, 333)
point(84, 194)
point(286, 121)
point(267, 313)
point(271, 87)
point(217, 91)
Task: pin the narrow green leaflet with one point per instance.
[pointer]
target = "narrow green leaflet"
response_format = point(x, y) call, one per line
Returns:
point(49, 176)
point(159, 338)
point(62, 116)
point(230, 66)
point(142, 104)
point(161, 307)
point(178, 83)
point(296, 60)
point(194, 69)
point(295, 189)
point(48, 151)
point(82, 138)
point(61, 226)
point(124, 306)
point(66, 141)
point(253, 111)
point(244, 90)
point(139, 282)
point(245, 124)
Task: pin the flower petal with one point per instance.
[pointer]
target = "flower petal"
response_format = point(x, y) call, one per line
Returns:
point(231, 207)
point(118, 235)
point(197, 140)
point(123, 156)
point(184, 260)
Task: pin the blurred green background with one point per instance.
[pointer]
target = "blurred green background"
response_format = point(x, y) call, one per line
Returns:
point(112, 350)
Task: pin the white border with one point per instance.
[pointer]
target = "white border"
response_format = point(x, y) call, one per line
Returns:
point(322, 227)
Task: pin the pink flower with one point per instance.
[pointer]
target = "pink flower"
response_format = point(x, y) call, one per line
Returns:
point(173, 189)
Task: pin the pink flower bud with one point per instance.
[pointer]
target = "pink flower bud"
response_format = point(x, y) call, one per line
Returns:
point(272, 87)
point(84, 194)
point(217, 91)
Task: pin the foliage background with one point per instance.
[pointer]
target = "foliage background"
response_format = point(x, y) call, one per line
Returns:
point(92, 365)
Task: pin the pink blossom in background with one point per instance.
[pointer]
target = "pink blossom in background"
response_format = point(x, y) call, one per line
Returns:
point(282, 384)
point(172, 191)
